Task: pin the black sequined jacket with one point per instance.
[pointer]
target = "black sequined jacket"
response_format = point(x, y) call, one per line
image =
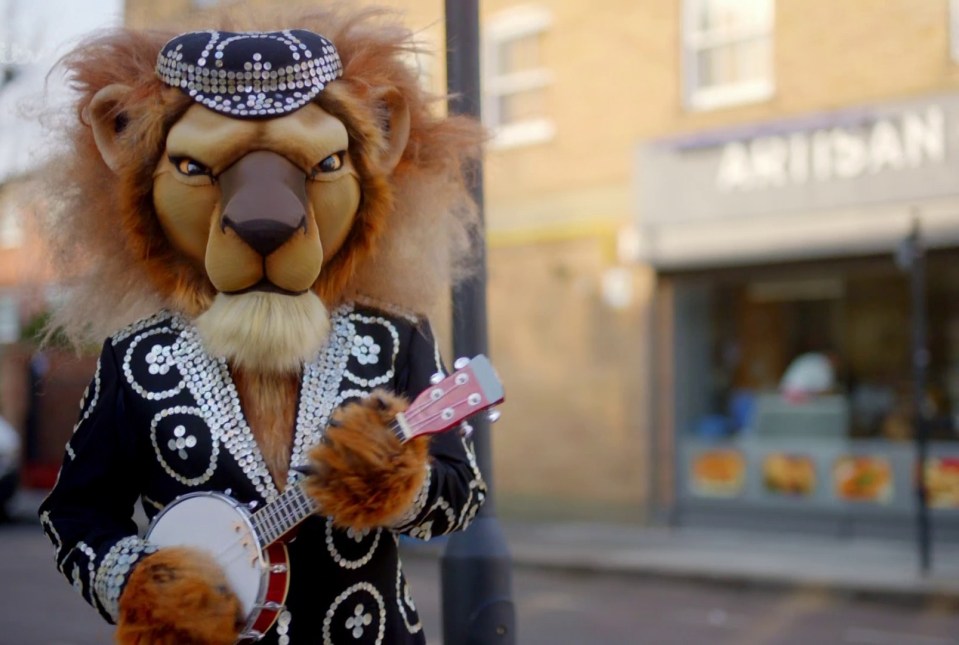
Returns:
point(162, 418)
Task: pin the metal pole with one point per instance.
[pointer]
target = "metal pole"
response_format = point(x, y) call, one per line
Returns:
point(920, 365)
point(911, 257)
point(476, 565)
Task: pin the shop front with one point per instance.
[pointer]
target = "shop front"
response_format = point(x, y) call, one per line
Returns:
point(784, 335)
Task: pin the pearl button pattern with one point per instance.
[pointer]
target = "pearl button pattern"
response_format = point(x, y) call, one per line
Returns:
point(358, 618)
point(115, 569)
point(250, 74)
point(404, 602)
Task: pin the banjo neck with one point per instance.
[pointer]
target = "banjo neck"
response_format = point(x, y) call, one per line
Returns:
point(470, 389)
point(283, 514)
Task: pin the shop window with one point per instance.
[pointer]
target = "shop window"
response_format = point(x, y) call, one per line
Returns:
point(822, 359)
point(728, 52)
point(516, 80)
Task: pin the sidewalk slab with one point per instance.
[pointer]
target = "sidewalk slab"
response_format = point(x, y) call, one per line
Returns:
point(872, 567)
point(869, 567)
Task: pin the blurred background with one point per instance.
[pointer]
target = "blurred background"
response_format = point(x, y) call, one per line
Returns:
point(715, 229)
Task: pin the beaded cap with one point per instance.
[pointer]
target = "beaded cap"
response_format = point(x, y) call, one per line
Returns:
point(250, 74)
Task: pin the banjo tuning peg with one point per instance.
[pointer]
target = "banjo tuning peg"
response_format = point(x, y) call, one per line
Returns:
point(493, 416)
point(461, 362)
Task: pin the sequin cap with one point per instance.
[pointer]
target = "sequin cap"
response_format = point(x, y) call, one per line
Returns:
point(250, 74)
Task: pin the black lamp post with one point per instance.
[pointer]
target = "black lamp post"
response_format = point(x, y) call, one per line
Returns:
point(475, 569)
point(911, 257)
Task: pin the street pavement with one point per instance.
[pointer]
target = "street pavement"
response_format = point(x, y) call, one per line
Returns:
point(558, 601)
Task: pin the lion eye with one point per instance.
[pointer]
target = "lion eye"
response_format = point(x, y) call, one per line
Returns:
point(331, 164)
point(189, 167)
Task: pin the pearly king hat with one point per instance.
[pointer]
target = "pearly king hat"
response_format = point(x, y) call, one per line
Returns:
point(250, 74)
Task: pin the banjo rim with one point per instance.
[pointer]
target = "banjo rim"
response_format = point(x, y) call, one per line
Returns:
point(244, 515)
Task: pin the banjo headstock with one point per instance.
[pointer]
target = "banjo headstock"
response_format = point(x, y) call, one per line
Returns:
point(472, 388)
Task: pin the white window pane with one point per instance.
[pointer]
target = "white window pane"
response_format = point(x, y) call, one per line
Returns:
point(732, 15)
point(515, 76)
point(753, 60)
point(737, 63)
point(522, 106)
point(729, 50)
point(519, 54)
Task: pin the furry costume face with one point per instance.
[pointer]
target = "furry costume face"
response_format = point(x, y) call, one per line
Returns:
point(370, 182)
point(244, 217)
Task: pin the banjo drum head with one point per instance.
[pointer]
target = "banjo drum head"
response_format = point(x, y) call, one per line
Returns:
point(216, 525)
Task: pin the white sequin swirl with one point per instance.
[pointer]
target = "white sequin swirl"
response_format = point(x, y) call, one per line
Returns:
point(389, 370)
point(158, 361)
point(90, 397)
point(113, 571)
point(358, 587)
point(404, 600)
point(339, 558)
point(214, 447)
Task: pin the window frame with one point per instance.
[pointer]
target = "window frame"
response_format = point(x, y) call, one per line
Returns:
point(693, 42)
point(954, 30)
point(513, 24)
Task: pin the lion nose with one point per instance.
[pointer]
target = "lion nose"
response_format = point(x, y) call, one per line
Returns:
point(264, 197)
point(263, 235)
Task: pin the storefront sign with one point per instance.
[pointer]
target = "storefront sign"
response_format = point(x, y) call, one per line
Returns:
point(911, 139)
point(822, 184)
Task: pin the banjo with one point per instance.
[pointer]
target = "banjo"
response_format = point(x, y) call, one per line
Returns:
point(249, 546)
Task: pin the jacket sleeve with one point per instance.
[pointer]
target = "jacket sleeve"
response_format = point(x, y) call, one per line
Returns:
point(89, 513)
point(454, 489)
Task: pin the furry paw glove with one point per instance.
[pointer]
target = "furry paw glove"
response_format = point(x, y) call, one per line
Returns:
point(364, 476)
point(178, 596)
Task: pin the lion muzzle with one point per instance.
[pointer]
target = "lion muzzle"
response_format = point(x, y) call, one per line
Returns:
point(265, 201)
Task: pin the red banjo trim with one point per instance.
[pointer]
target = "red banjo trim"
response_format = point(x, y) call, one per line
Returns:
point(278, 585)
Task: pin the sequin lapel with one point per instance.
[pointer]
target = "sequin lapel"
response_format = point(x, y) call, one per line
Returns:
point(211, 385)
point(320, 387)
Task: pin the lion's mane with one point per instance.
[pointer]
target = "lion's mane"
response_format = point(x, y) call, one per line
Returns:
point(105, 238)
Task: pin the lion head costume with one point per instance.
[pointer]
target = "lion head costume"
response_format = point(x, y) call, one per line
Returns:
point(249, 180)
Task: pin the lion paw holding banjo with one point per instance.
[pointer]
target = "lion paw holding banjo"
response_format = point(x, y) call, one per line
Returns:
point(256, 217)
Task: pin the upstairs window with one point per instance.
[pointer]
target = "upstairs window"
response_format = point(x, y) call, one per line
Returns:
point(516, 81)
point(728, 52)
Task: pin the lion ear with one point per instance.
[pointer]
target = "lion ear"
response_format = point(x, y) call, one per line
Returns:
point(396, 128)
point(106, 116)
